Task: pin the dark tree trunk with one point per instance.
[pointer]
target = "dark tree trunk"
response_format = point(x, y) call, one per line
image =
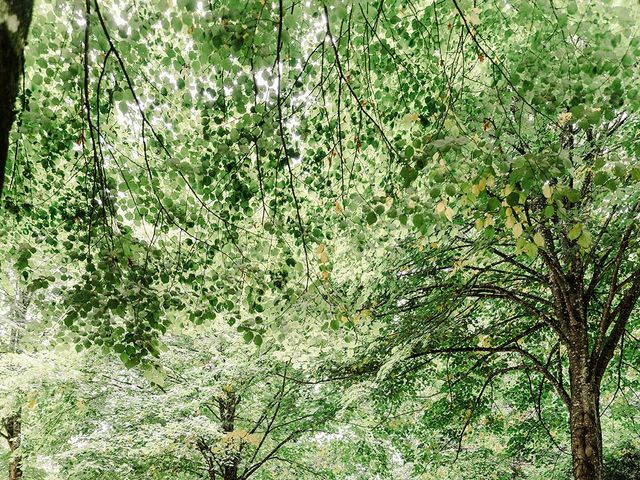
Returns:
point(230, 472)
point(13, 35)
point(13, 425)
point(586, 434)
point(227, 407)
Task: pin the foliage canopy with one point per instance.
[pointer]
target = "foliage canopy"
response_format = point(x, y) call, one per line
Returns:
point(428, 199)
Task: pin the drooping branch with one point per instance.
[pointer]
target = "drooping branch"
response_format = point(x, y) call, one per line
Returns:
point(478, 399)
point(358, 101)
point(526, 300)
point(285, 147)
point(507, 347)
point(497, 65)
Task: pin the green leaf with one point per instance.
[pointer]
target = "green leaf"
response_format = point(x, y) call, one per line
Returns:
point(513, 199)
point(600, 178)
point(408, 151)
point(531, 249)
point(585, 239)
point(573, 195)
point(575, 231)
point(409, 174)
point(371, 217)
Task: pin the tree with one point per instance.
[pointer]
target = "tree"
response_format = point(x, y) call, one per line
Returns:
point(15, 18)
point(16, 306)
point(524, 221)
point(215, 409)
point(35, 381)
point(258, 168)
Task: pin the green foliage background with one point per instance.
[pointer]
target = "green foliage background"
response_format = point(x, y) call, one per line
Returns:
point(204, 194)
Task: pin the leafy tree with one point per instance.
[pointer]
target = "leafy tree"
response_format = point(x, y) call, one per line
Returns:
point(460, 178)
point(33, 378)
point(212, 407)
point(523, 251)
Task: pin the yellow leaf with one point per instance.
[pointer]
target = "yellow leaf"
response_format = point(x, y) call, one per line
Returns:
point(564, 117)
point(339, 208)
point(517, 230)
point(325, 276)
point(510, 222)
point(410, 117)
point(31, 404)
point(324, 258)
point(449, 214)
point(547, 190)
point(320, 249)
point(538, 239)
point(488, 220)
point(473, 17)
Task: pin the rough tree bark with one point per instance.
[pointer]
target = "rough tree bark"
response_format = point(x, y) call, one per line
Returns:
point(588, 363)
point(590, 349)
point(12, 426)
point(15, 18)
point(584, 419)
point(227, 407)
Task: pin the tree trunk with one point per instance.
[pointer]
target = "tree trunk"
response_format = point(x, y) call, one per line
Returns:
point(12, 426)
point(15, 18)
point(227, 406)
point(231, 472)
point(586, 434)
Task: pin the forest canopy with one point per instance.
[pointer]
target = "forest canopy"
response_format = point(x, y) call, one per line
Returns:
point(391, 239)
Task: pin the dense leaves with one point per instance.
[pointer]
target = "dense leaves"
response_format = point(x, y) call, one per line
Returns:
point(422, 214)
